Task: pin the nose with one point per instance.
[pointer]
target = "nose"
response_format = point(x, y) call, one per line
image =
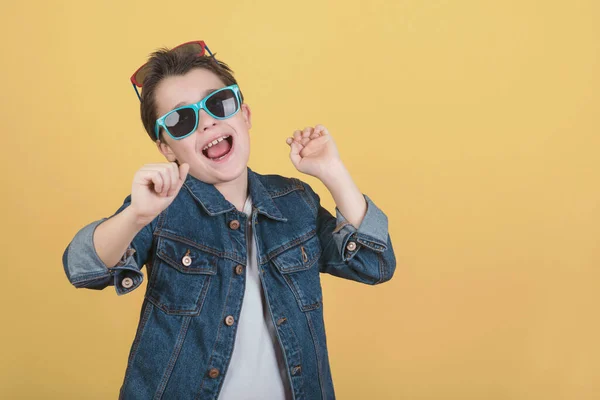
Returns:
point(205, 121)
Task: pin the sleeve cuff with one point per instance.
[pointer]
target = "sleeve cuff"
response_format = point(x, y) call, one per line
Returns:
point(85, 269)
point(127, 275)
point(82, 262)
point(372, 232)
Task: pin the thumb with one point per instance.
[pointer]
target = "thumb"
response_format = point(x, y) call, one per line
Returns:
point(183, 171)
point(314, 146)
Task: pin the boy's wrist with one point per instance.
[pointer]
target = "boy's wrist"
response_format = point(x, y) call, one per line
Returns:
point(334, 171)
point(134, 218)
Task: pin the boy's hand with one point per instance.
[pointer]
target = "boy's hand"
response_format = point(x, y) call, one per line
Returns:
point(314, 152)
point(154, 188)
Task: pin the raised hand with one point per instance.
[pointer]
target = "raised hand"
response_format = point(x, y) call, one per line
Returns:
point(313, 151)
point(154, 188)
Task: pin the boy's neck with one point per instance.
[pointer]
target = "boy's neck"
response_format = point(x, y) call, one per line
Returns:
point(235, 191)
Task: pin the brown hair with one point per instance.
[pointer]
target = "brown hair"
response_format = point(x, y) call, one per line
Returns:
point(164, 63)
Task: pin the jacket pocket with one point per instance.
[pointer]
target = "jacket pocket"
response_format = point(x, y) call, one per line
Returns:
point(180, 278)
point(299, 267)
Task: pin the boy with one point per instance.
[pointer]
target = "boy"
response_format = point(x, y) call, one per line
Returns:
point(233, 308)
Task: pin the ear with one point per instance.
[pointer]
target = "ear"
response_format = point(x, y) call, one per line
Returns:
point(166, 151)
point(247, 114)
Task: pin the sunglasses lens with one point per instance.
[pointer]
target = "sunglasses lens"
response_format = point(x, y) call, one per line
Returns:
point(223, 104)
point(140, 75)
point(181, 122)
point(194, 47)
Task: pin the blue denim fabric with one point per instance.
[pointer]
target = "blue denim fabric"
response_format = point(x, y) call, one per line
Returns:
point(182, 346)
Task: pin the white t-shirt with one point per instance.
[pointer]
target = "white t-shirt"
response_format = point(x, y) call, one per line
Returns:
point(257, 368)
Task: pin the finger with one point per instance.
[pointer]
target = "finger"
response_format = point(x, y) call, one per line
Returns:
point(157, 180)
point(182, 174)
point(291, 140)
point(314, 146)
point(166, 175)
point(153, 167)
point(295, 149)
point(174, 172)
point(183, 171)
point(147, 167)
point(321, 130)
point(307, 132)
point(304, 141)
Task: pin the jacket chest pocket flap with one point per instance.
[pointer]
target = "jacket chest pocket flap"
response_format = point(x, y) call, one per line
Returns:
point(181, 277)
point(299, 266)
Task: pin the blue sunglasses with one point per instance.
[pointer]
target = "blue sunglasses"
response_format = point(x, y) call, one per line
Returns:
point(183, 121)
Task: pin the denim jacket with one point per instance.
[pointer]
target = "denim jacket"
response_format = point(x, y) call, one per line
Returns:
point(195, 255)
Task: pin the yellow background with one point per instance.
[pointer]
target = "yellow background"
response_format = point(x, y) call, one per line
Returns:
point(473, 124)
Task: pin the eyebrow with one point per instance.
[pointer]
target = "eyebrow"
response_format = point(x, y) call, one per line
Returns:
point(205, 93)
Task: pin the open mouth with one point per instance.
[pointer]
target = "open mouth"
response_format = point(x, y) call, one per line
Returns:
point(219, 148)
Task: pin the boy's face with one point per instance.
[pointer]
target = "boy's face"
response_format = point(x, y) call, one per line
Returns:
point(222, 163)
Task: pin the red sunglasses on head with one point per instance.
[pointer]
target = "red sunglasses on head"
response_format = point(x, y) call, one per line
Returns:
point(197, 46)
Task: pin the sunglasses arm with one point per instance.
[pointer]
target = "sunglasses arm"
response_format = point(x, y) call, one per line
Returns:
point(136, 92)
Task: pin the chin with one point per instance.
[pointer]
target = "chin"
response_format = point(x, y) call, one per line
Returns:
point(222, 175)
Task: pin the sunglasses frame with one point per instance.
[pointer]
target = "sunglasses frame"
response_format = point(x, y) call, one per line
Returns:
point(136, 84)
point(201, 105)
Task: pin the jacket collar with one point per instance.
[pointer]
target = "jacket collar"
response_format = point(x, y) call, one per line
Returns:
point(214, 203)
point(261, 199)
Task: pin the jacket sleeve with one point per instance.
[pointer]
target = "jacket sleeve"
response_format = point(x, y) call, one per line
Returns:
point(365, 254)
point(85, 269)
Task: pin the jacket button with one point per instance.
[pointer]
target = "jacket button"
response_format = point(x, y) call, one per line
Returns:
point(239, 269)
point(187, 261)
point(296, 370)
point(235, 224)
point(351, 246)
point(229, 320)
point(213, 373)
point(127, 282)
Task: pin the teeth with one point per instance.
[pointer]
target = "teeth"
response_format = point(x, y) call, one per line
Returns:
point(211, 144)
